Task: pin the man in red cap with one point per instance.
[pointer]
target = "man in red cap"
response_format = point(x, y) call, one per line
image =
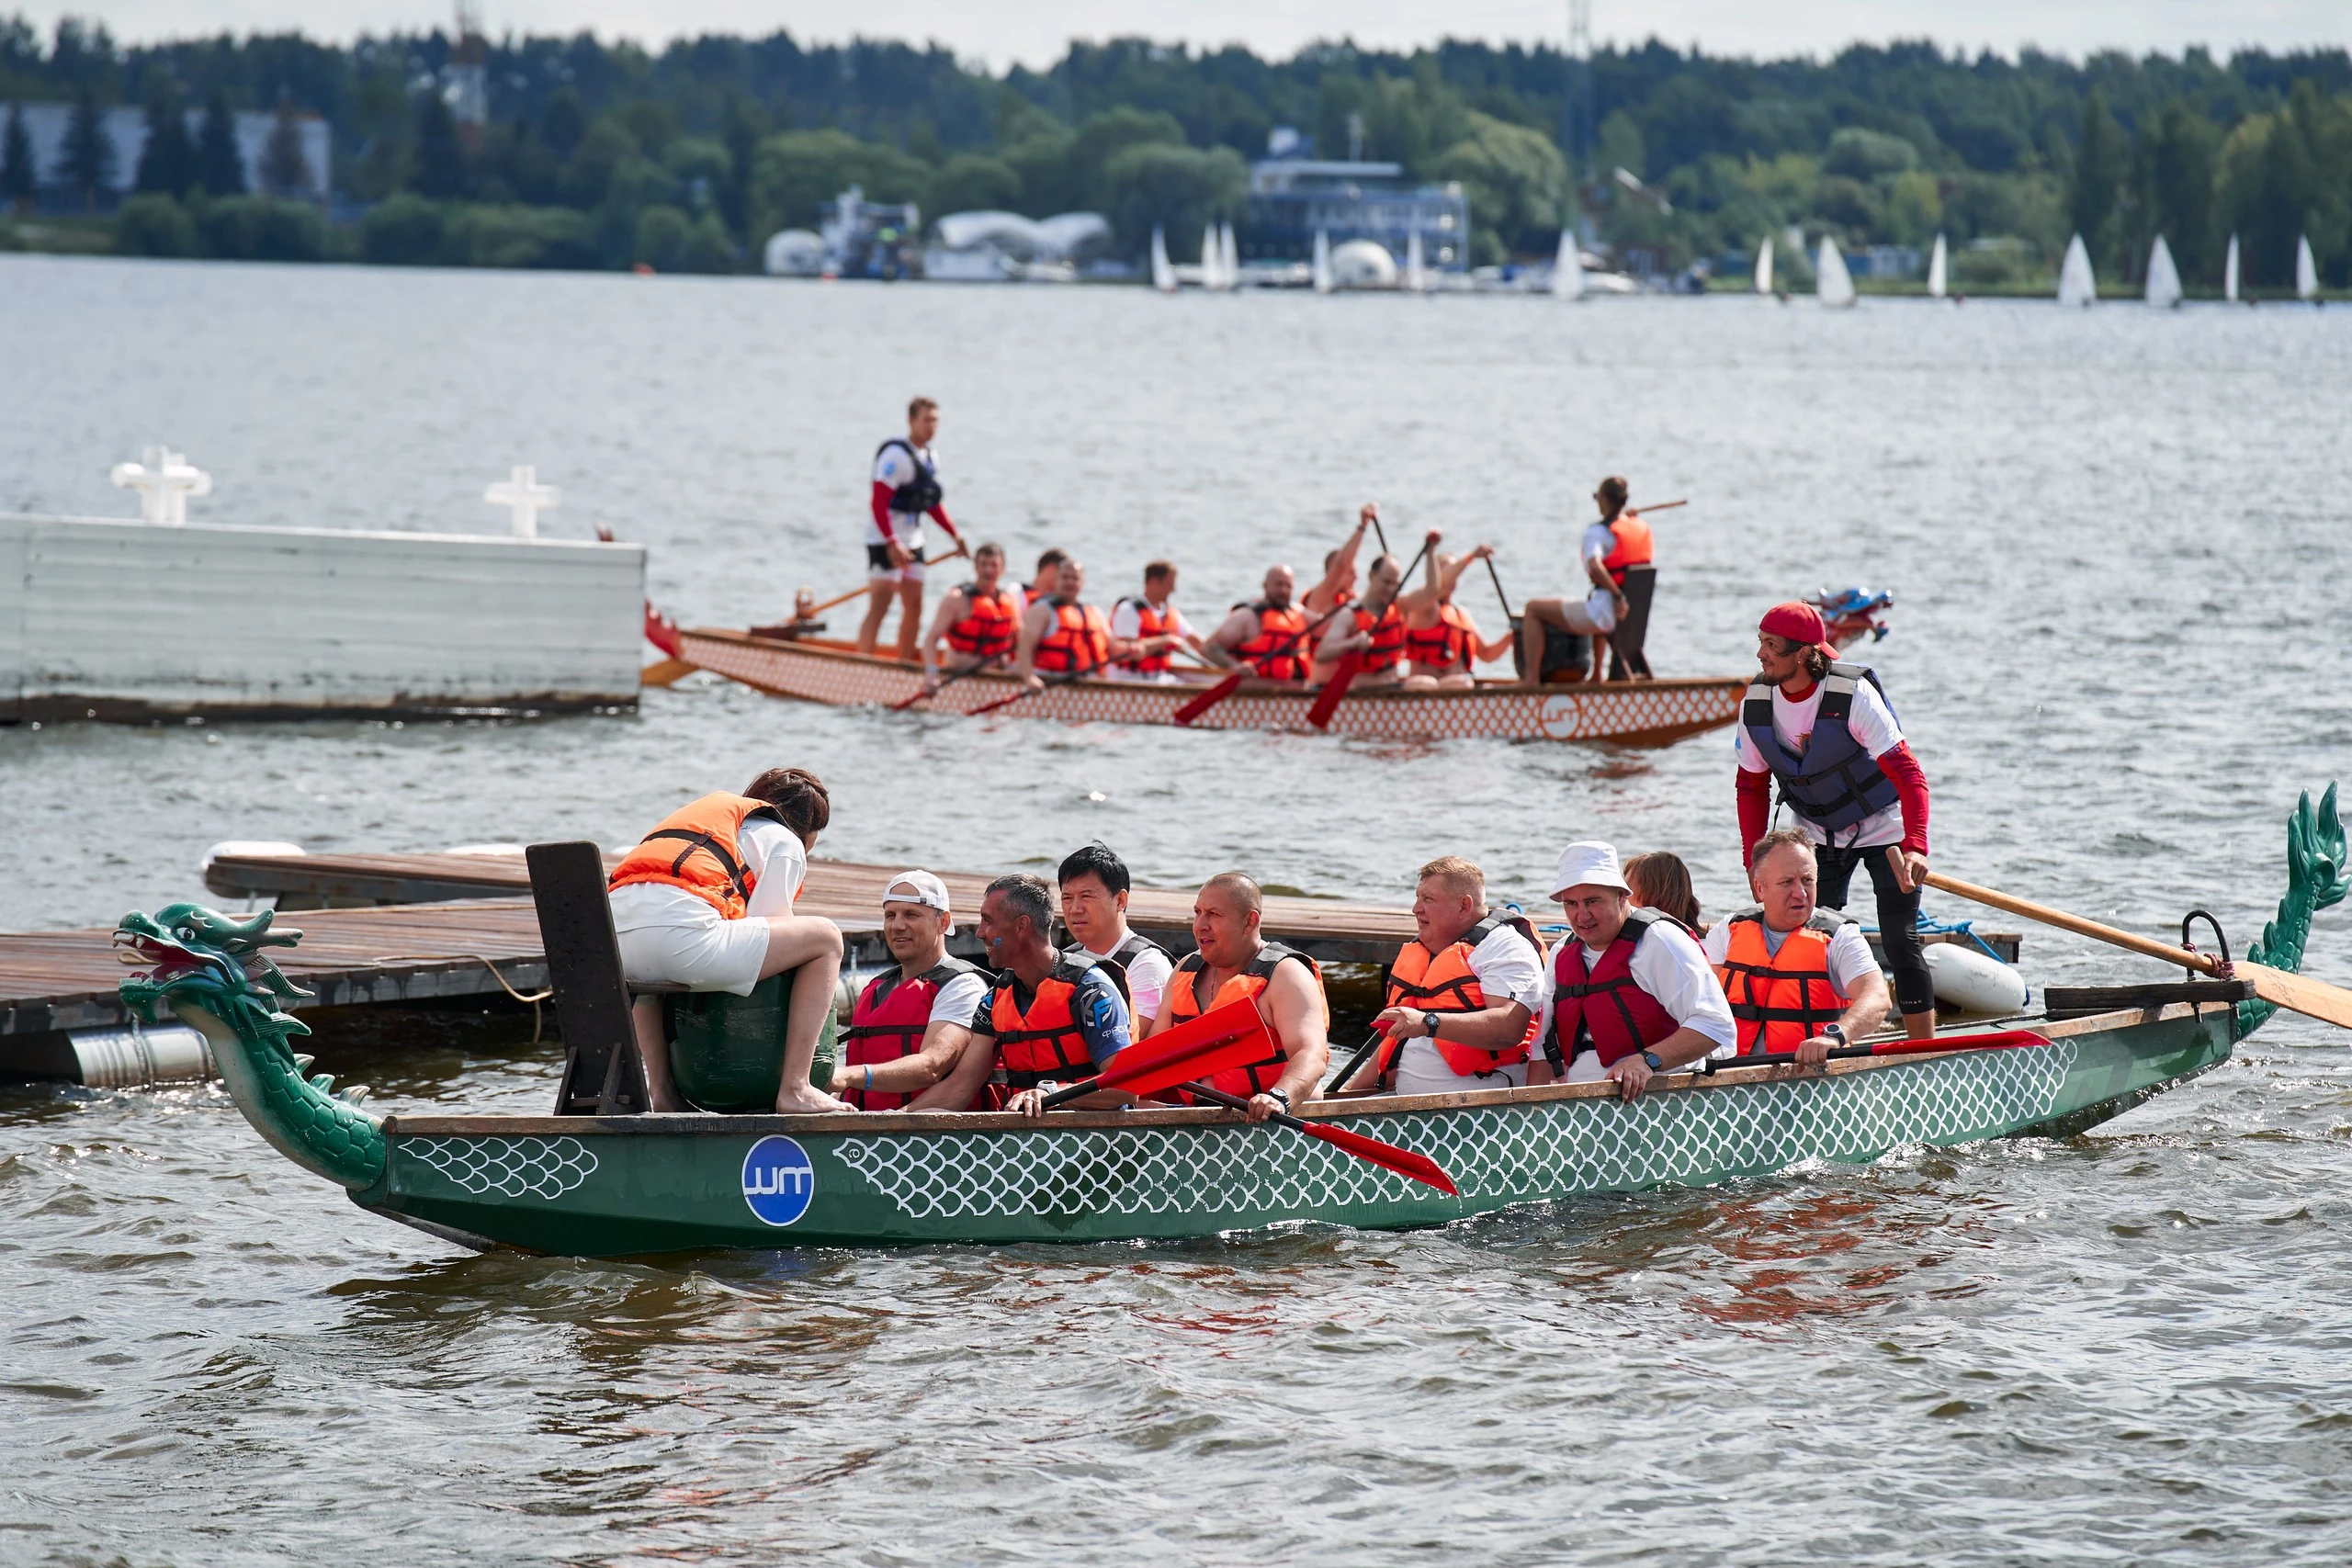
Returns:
point(1823, 730)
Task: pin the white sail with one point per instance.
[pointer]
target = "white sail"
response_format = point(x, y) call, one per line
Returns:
point(1414, 280)
point(2075, 284)
point(2306, 272)
point(2164, 278)
point(1322, 270)
point(1212, 252)
point(1163, 277)
point(1764, 266)
point(2230, 273)
point(1836, 286)
point(1228, 259)
point(1939, 266)
point(1568, 272)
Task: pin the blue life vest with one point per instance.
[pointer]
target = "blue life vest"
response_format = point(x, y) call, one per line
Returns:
point(1833, 783)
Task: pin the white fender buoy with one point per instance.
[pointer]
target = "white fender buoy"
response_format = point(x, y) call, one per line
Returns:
point(139, 1054)
point(1968, 979)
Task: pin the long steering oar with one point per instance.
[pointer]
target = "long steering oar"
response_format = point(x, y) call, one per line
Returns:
point(2312, 999)
point(1661, 506)
point(845, 598)
point(1231, 1036)
point(1994, 1040)
point(906, 703)
point(1388, 1156)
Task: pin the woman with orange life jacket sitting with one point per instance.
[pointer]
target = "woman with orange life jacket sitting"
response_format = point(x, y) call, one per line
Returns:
point(1822, 731)
point(1632, 995)
point(980, 621)
point(911, 1023)
point(1443, 646)
point(705, 902)
point(1045, 1021)
point(1232, 960)
point(1612, 547)
point(1271, 636)
point(1066, 635)
point(1150, 626)
point(1462, 996)
point(1372, 628)
point(1789, 968)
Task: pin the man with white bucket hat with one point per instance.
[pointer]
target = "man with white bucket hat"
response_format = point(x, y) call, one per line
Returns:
point(1632, 995)
point(910, 1023)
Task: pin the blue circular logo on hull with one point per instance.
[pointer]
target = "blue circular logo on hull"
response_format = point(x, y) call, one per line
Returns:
point(779, 1180)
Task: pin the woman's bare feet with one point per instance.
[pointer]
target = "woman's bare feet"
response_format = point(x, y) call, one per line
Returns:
point(807, 1100)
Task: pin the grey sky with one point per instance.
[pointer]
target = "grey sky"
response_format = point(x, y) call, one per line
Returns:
point(1034, 31)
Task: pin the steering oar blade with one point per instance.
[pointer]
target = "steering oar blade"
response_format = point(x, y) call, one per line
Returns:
point(1388, 1156)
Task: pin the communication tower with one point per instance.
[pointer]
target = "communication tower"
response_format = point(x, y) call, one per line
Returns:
point(1575, 100)
point(467, 79)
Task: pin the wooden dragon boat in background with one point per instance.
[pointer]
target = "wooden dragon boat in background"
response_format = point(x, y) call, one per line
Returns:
point(1631, 713)
point(604, 1184)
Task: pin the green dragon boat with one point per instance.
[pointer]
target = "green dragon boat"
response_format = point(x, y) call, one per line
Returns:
point(618, 1185)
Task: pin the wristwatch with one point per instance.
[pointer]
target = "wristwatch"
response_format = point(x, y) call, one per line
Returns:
point(1654, 1065)
point(1429, 1023)
point(1277, 1094)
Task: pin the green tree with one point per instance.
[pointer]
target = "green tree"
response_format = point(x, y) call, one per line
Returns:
point(224, 166)
point(1517, 184)
point(17, 179)
point(706, 247)
point(562, 124)
point(285, 168)
point(1619, 145)
point(1183, 188)
point(403, 231)
point(793, 173)
point(87, 158)
point(971, 181)
point(2183, 170)
point(436, 163)
point(661, 234)
point(167, 160)
point(151, 224)
point(1912, 207)
point(739, 131)
point(1866, 154)
point(2102, 163)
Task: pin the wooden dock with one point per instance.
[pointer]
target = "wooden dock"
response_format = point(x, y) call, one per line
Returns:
point(409, 928)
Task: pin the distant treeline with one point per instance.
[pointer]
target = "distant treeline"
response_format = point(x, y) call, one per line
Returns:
point(604, 153)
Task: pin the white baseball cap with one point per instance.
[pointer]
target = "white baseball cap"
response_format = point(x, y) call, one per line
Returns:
point(1589, 862)
point(916, 887)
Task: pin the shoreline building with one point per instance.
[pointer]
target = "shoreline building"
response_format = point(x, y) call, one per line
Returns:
point(1293, 196)
point(125, 130)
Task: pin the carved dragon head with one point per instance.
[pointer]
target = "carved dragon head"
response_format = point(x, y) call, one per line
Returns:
point(210, 959)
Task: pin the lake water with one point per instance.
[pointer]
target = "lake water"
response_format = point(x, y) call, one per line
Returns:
point(2120, 647)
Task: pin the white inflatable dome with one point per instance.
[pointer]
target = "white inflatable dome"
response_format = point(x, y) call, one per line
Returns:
point(1363, 264)
point(794, 253)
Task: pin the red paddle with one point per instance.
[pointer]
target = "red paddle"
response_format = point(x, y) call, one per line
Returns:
point(1997, 1040)
point(1231, 1036)
point(1319, 715)
point(1232, 682)
point(1025, 692)
point(906, 703)
point(1388, 1156)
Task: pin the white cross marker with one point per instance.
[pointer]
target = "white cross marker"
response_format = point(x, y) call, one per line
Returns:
point(164, 482)
point(523, 495)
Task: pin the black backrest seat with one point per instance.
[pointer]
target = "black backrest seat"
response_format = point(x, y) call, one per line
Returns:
point(601, 1074)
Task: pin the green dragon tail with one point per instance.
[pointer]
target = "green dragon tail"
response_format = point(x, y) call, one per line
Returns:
point(2316, 881)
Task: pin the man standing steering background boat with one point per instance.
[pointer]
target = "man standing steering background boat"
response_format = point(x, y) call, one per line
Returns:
point(905, 491)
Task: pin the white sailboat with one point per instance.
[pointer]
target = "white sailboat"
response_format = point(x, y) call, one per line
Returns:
point(1163, 277)
point(1568, 272)
point(1321, 272)
point(2075, 284)
point(1764, 266)
point(1228, 259)
point(1835, 287)
point(1212, 253)
point(1938, 266)
point(1415, 279)
point(2164, 278)
point(2306, 270)
point(2230, 273)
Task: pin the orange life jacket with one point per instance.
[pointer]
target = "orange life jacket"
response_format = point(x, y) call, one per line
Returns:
point(1632, 532)
point(1081, 641)
point(1387, 631)
point(888, 1022)
point(1041, 1041)
point(1279, 651)
point(1444, 647)
point(992, 623)
point(1149, 622)
point(711, 863)
point(1184, 1002)
point(1779, 999)
point(1444, 982)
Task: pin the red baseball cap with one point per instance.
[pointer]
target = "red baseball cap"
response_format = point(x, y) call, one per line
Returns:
point(1798, 623)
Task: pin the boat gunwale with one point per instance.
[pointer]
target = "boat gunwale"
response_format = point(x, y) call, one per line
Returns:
point(887, 1122)
point(826, 647)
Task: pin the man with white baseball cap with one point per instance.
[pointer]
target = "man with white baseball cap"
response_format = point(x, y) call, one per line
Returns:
point(1631, 994)
point(910, 1023)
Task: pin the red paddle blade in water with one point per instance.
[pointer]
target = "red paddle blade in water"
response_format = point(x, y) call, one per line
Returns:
point(1210, 698)
point(1319, 715)
point(1388, 1156)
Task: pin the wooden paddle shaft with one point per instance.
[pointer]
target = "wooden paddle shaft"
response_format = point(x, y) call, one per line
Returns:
point(1661, 506)
point(2131, 940)
point(868, 588)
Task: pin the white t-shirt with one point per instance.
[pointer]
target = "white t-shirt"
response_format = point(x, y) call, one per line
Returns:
point(959, 999)
point(892, 467)
point(1509, 969)
point(773, 859)
point(1599, 540)
point(1873, 724)
point(1126, 624)
point(1148, 973)
point(1849, 952)
point(1672, 968)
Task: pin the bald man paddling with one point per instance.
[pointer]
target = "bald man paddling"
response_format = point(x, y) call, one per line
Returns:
point(1234, 960)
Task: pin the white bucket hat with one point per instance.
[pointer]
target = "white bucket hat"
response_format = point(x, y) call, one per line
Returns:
point(916, 887)
point(1588, 863)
